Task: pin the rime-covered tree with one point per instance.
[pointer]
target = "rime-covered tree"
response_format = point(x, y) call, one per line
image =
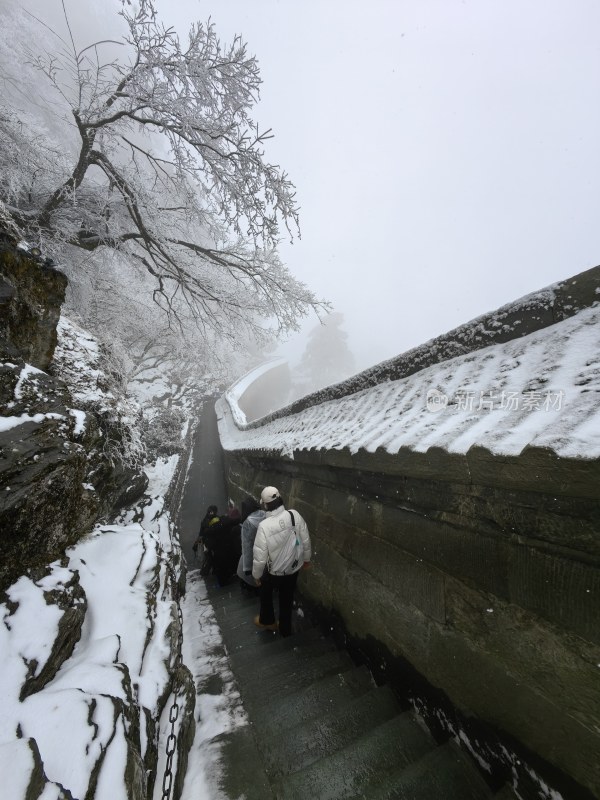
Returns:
point(327, 358)
point(161, 162)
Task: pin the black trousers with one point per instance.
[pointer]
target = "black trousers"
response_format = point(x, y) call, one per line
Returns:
point(286, 585)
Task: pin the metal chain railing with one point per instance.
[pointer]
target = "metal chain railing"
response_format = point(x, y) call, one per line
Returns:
point(171, 745)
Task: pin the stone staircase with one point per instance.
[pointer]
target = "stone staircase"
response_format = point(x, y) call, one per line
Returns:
point(320, 729)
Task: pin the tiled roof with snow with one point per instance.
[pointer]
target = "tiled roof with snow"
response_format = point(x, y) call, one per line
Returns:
point(540, 390)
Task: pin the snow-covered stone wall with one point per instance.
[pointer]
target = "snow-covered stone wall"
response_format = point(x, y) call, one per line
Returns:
point(89, 668)
point(531, 313)
point(454, 509)
point(261, 391)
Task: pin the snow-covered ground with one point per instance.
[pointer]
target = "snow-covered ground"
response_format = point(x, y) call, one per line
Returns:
point(117, 672)
point(216, 714)
point(74, 723)
point(540, 390)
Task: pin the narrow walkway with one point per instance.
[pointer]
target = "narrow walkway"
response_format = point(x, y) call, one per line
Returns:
point(205, 482)
point(320, 729)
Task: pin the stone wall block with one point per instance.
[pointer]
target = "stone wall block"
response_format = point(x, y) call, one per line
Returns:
point(537, 673)
point(508, 703)
point(536, 469)
point(410, 578)
point(338, 503)
point(565, 592)
point(307, 498)
point(427, 465)
point(322, 526)
point(558, 664)
point(557, 520)
point(328, 569)
point(369, 609)
point(474, 557)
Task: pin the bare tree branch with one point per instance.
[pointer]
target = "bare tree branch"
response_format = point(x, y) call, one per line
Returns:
point(165, 167)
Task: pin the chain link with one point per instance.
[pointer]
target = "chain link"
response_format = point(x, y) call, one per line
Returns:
point(174, 710)
point(174, 502)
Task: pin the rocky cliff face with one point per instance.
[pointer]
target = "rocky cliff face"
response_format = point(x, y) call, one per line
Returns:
point(59, 457)
point(90, 645)
point(31, 295)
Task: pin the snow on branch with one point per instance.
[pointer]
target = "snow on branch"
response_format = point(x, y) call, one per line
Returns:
point(163, 164)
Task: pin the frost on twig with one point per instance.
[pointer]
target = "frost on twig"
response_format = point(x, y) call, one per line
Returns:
point(163, 163)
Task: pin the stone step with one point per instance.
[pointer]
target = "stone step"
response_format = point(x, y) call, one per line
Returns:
point(238, 612)
point(242, 772)
point(297, 747)
point(229, 599)
point(228, 602)
point(400, 741)
point(258, 693)
point(318, 698)
point(280, 658)
point(445, 772)
point(321, 728)
point(243, 646)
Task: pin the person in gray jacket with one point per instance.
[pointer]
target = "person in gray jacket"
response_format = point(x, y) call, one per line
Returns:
point(281, 549)
point(252, 515)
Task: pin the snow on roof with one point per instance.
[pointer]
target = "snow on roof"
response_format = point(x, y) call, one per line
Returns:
point(540, 390)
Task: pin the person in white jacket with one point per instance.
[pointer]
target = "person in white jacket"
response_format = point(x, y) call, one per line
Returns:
point(281, 549)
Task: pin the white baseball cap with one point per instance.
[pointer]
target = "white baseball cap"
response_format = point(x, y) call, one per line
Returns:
point(268, 494)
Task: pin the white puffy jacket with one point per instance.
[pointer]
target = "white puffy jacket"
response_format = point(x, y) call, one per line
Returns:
point(272, 533)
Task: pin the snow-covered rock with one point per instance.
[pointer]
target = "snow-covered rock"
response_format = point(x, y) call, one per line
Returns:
point(90, 656)
point(71, 451)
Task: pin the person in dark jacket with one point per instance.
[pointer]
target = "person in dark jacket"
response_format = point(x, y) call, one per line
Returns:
point(210, 518)
point(222, 539)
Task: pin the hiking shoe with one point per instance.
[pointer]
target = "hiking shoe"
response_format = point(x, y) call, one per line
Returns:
point(272, 627)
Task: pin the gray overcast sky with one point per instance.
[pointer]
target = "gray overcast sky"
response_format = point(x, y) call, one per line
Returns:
point(446, 153)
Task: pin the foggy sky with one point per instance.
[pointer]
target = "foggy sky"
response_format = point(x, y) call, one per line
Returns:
point(445, 153)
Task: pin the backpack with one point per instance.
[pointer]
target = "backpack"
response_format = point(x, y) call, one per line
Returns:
point(290, 555)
